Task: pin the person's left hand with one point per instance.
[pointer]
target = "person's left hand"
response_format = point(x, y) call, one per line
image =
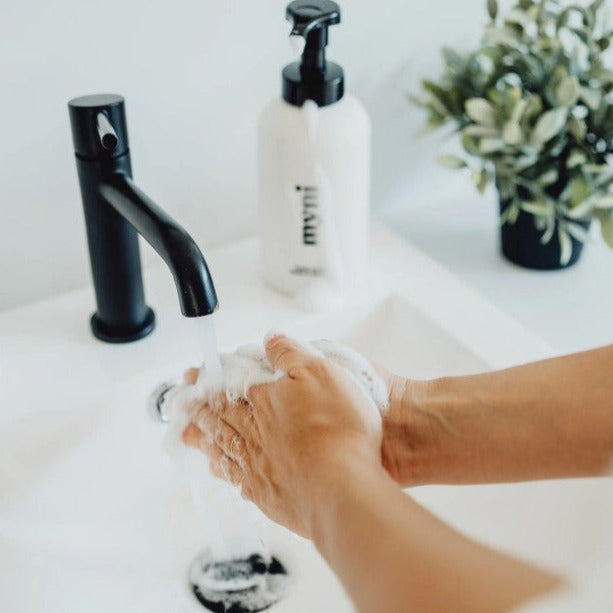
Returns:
point(294, 440)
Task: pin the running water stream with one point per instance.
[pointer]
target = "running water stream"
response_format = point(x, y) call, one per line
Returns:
point(211, 375)
point(236, 572)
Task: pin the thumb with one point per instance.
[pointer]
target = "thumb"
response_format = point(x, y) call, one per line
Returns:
point(285, 354)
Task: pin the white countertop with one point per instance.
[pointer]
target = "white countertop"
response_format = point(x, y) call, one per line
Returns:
point(570, 309)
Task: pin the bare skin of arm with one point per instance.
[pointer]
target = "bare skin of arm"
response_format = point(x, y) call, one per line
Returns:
point(546, 420)
point(394, 555)
point(308, 452)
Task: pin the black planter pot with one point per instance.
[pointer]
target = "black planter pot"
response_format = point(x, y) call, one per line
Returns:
point(521, 244)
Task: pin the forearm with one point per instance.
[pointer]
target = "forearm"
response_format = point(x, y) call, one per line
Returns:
point(549, 419)
point(393, 555)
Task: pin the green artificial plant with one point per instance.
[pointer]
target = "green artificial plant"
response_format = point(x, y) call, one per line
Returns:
point(533, 109)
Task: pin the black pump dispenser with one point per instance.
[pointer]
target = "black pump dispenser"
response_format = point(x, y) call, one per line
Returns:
point(313, 78)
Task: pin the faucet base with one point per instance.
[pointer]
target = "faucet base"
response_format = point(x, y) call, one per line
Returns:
point(109, 334)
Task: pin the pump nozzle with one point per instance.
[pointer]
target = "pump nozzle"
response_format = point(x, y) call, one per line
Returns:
point(306, 15)
point(313, 78)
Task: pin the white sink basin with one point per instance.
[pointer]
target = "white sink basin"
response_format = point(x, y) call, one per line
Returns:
point(92, 516)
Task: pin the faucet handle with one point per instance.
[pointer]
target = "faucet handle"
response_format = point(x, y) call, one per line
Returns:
point(108, 136)
point(99, 130)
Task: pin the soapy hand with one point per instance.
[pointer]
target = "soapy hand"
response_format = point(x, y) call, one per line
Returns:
point(290, 443)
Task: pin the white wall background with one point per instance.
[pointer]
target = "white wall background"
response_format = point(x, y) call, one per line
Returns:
point(195, 74)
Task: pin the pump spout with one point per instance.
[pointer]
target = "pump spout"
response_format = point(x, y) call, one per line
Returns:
point(302, 28)
point(312, 78)
point(310, 20)
point(306, 15)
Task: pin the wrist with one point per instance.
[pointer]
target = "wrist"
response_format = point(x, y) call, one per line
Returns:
point(349, 477)
point(419, 436)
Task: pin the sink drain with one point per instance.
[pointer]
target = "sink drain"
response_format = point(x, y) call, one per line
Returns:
point(237, 586)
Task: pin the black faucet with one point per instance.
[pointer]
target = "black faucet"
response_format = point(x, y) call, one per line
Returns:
point(115, 210)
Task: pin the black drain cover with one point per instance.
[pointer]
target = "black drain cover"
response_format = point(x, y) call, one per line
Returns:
point(244, 585)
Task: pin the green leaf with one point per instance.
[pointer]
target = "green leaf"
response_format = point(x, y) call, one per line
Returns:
point(549, 177)
point(512, 133)
point(502, 36)
point(548, 125)
point(524, 162)
point(415, 100)
point(488, 146)
point(437, 110)
point(481, 178)
point(535, 208)
point(577, 127)
point(576, 158)
point(567, 91)
point(606, 226)
point(533, 108)
point(470, 144)
point(451, 161)
point(492, 9)
point(577, 191)
point(437, 95)
point(521, 106)
point(549, 230)
point(455, 62)
point(480, 131)
point(604, 180)
point(566, 246)
point(595, 169)
point(481, 111)
point(591, 97)
point(576, 231)
point(581, 211)
point(604, 202)
point(510, 214)
point(540, 222)
point(519, 17)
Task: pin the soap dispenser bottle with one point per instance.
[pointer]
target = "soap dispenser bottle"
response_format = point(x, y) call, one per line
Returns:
point(314, 170)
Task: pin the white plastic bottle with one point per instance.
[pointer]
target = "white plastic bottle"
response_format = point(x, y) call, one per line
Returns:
point(314, 171)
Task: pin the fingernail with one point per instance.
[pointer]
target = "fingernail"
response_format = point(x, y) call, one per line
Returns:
point(190, 435)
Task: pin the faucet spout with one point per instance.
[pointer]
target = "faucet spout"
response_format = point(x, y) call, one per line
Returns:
point(176, 247)
point(116, 211)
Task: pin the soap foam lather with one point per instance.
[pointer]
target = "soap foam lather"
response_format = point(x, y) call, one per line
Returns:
point(249, 366)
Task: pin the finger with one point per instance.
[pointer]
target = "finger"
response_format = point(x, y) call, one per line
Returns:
point(221, 465)
point(191, 436)
point(286, 354)
point(214, 430)
point(259, 396)
point(190, 376)
point(194, 437)
point(224, 465)
point(236, 418)
point(239, 415)
point(231, 471)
